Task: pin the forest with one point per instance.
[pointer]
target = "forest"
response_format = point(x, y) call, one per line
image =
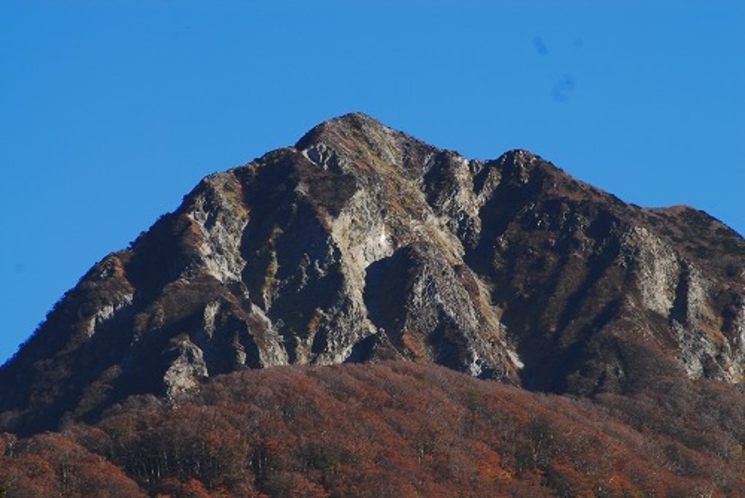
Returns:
point(390, 429)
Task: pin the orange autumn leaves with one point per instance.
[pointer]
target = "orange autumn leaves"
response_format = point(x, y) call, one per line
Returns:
point(389, 429)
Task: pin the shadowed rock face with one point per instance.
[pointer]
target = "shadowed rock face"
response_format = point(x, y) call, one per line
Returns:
point(361, 243)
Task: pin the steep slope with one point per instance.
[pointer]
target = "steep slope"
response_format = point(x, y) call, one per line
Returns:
point(601, 295)
point(361, 243)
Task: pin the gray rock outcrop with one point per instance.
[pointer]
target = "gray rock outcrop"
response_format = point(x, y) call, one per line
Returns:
point(362, 243)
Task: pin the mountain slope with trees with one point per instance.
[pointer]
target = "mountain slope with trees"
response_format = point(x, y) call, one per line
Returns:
point(392, 429)
point(361, 248)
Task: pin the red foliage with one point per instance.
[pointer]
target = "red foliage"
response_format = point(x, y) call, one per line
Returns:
point(390, 429)
point(54, 465)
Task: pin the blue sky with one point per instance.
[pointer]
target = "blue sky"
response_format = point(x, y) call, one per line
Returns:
point(111, 111)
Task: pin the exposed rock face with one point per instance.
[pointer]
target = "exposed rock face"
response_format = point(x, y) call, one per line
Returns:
point(362, 243)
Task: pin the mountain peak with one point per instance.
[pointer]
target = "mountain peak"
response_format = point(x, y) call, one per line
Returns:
point(342, 126)
point(357, 140)
point(357, 120)
point(362, 243)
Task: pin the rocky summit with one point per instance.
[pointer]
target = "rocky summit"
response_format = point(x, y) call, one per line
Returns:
point(362, 244)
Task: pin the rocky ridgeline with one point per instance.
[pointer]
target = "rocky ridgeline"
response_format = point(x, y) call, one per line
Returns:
point(361, 243)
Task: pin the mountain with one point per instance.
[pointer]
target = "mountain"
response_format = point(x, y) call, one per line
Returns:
point(363, 314)
point(361, 243)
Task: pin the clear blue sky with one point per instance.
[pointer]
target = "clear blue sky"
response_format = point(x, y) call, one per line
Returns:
point(111, 111)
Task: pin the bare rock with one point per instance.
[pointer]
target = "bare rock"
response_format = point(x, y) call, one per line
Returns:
point(361, 243)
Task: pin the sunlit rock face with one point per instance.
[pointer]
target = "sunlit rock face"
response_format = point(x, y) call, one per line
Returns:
point(361, 243)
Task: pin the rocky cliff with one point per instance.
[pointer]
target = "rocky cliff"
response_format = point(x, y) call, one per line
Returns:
point(360, 243)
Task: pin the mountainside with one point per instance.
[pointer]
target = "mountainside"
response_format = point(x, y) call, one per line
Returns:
point(360, 244)
point(390, 430)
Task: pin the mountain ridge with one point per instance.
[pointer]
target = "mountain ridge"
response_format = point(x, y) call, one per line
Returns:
point(361, 243)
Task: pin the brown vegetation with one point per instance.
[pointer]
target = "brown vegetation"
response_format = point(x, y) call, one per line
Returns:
point(391, 429)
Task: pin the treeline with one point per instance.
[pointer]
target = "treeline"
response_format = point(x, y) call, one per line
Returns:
point(391, 430)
